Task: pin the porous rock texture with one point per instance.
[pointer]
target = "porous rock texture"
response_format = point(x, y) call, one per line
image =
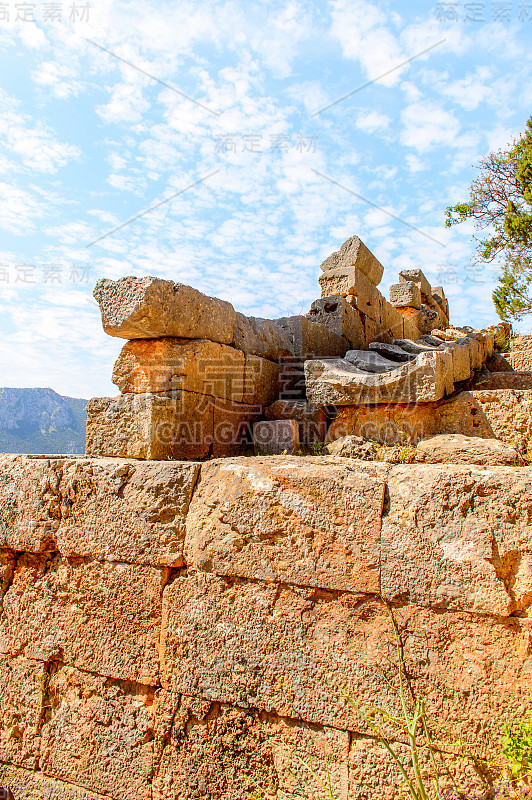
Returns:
point(178, 630)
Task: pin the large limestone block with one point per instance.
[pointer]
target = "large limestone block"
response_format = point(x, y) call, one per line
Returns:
point(109, 509)
point(405, 294)
point(25, 784)
point(393, 352)
point(312, 421)
point(262, 380)
point(261, 337)
point(99, 616)
point(416, 276)
point(392, 320)
point(410, 330)
point(284, 648)
point(460, 351)
point(396, 423)
point(311, 339)
point(336, 314)
point(233, 428)
point(219, 752)
point(151, 426)
point(21, 708)
point(152, 308)
point(99, 733)
point(453, 448)
point(311, 522)
point(354, 253)
point(469, 535)
point(508, 413)
point(504, 380)
point(371, 361)
point(350, 281)
point(337, 382)
point(164, 365)
point(276, 436)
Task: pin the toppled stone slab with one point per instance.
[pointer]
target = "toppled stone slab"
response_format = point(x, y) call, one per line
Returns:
point(311, 339)
point(370, 361)
point(338, 382)
point(284, 519)
point(261, 337)
point(405, 294)
point(416, 276)
point(336, 314)
point(393, 352)
point(98, 616)
point(180, 425)
point(276, 436)
point(449, 448)
point(475, 556)
point(109, 509)
point(152, 308)
point(312, 421)
point(354, 253)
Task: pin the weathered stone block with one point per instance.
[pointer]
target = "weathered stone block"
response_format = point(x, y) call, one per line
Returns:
point(392, 320)
point(152, 308)
point(504, 380)
point(20, 710)
point(410, 330)
point(351, 281)
point(311, 339)
point(276, 436)
point(475, 556)
point(412, 422)
point(262, 380)
point(312, 421)
point(151, 426)
point(99, 734)
point(393, 352)
point(337, 382)
point(354, 253)
point(336, 314)
point(232, 428)
point(282, 648)
point(113, 510)
point(371, 361)
point(220, 752)
point(98, 616)
point(416, 276)
point(284, 519)
point(405, 294)
point(453, 448)
point(26, 784)
point(164, 365)
point(261, 337)
point(508, 413)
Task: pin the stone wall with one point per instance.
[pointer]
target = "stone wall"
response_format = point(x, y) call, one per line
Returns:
point(178, 630)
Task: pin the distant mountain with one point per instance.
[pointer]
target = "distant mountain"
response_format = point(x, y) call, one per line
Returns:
point(41, 421)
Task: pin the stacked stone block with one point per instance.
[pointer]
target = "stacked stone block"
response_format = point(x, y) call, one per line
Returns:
point(424, 307)
point(179, 630)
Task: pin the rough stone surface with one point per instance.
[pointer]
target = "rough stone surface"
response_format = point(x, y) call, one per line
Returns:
point(26, 784)
point(338, 382)
point(276, 436)
point(282, 648)
point(152, 308)
point(311, 339)
point(396, 423)
point(262, 380)
point(351, 447)
point(99, 733)
point(354, 253)
point(97, 616)
point(475, 556)
point(299, 507)
point(312, 421)
point(261, 337)
point(20, 709)
point(393, 321)
point(181, 425)
point(499, 363)
point(112, 510)
point(350, 281)
point(405, 294)
point(453, 448)
point(392, 351)
point(336, 314)
point(370, 361)
point(416, 276)
point(508, 412)
point(504, 380)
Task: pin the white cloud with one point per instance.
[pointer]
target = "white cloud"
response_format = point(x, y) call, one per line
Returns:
point(371, 121)
point(427, 125)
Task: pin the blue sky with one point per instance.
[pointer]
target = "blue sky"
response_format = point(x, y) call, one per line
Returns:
point(230, 132)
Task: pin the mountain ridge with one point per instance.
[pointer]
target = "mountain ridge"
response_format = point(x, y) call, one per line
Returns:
point(39, 420)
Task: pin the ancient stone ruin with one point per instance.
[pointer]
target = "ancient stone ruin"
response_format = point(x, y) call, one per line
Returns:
point(177, 627)
point(200, 380)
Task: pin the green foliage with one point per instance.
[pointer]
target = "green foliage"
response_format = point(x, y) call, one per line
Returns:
point(500, 204)
point(517, 749)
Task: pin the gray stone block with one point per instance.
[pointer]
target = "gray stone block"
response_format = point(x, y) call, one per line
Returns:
point(276, 436)
point(416, 276)
point(311, 339)
point(354, 253)
point(337, 315)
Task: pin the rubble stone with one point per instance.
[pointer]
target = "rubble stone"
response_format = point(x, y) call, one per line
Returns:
point(453, 448)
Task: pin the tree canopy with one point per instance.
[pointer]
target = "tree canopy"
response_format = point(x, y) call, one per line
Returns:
point(500, 204)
